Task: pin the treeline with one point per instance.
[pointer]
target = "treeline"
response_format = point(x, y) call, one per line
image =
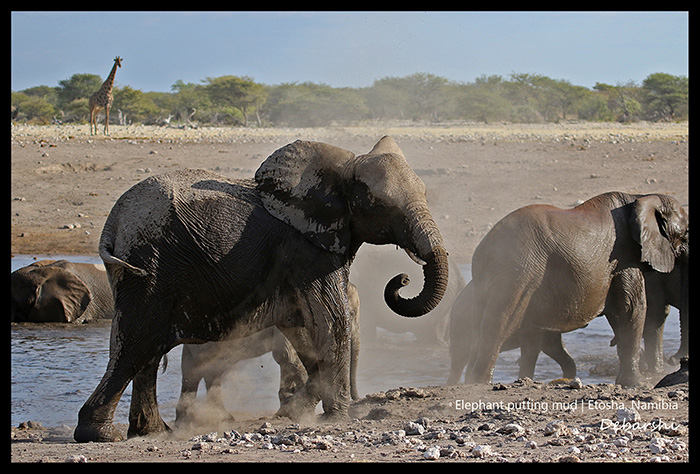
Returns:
point(240, 101)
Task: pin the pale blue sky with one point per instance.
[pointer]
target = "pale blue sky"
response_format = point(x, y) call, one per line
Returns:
point(345, 48)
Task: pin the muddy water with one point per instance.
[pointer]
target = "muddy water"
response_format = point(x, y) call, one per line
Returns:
point(54, 368)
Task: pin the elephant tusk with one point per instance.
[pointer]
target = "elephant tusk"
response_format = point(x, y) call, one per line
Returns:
point(415, 257)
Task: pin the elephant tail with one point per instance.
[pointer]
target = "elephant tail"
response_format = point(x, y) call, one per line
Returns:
point(106, 255)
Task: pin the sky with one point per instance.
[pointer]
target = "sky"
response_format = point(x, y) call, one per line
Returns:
point(345, 49)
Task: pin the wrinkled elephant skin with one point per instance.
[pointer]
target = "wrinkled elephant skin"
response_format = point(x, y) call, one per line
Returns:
point(544, 270)
point(195, 257)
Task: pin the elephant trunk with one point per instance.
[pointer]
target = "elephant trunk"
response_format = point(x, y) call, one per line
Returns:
point(429, 247)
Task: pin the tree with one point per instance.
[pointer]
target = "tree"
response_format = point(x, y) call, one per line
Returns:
point(133, 105)
point(622, 100)
point(484, 100)
point(665, 97)
point(79, 86)
point(241, 93)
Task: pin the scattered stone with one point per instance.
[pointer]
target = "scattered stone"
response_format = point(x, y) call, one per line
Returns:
point(556, 428)
point(413, 428)
point(76, 458)
point(432, 453)
point(628, 415)
point(511, 429)
point(481, 450)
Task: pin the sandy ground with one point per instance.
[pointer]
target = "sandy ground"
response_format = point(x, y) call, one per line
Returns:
point(64, 183)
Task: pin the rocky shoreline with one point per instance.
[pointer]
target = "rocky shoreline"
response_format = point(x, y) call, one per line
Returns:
point(524, 421)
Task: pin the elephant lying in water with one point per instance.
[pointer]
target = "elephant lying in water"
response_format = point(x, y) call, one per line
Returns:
point(195, 257)
point(542, 271)
point(213, 360)
point(662, 290)
point(59, 291)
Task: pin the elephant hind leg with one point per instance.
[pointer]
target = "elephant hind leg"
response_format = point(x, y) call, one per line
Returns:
point(553, 346)
point(503, 313)
point(144, 416)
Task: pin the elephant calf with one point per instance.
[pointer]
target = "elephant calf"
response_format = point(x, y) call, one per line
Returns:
point(59, 291)
point(543, 270)
point(213, 360)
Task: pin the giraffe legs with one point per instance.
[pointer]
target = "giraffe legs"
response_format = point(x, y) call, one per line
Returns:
point(94, 113)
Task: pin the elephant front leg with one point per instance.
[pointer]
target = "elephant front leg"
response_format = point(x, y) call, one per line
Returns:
point(626, 311)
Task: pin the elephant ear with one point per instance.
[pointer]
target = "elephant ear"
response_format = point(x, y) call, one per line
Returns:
point(62, 297)
point(649, 221)
point(302, 185)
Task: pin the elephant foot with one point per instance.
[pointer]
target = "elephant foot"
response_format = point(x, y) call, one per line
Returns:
point(334, 417)
point(629, 380)
point(97, 432)
point(152, 428)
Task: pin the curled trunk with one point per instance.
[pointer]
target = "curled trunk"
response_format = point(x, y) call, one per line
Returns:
point(435, 273)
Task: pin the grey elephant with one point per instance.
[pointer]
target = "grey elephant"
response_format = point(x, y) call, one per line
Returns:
point(212, 361)
point(195, 257)
point(372, 266)
point(60, 291)
point(544, 269)
point(464, 334)
point(662, 290)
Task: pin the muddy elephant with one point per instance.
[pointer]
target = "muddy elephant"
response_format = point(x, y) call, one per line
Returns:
point(372, 266)
point(212, 361)
point(195, 257)
point(662, 290)
point(59, 291)
point(543, 269)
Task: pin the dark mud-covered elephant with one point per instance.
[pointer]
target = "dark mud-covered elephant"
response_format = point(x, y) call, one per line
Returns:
point(194, 257)
point(543, 270)
point(212, 361)
point(59, 291)
point(371, 269)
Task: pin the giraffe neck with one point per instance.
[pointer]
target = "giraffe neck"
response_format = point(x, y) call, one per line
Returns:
point(109, 82)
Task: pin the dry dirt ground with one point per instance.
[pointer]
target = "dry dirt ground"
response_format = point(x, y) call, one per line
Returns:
point(64, 183)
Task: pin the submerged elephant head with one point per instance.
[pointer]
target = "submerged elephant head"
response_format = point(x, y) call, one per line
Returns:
point(42, 292)
point(338, 201)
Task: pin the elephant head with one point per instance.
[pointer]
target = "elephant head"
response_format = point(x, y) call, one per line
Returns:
point(338, 201)
point(660, 226)
point(45, 293)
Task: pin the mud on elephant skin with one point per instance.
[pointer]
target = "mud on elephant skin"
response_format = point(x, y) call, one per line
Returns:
point(59, 291)
point(544, 269)
point(194, 257)
point(213, 361)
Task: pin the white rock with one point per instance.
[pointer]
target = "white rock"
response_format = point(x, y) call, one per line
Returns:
point(432, 453)
point(481, 450)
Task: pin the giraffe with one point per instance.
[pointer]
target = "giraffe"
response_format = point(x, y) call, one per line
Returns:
point(102, 99)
